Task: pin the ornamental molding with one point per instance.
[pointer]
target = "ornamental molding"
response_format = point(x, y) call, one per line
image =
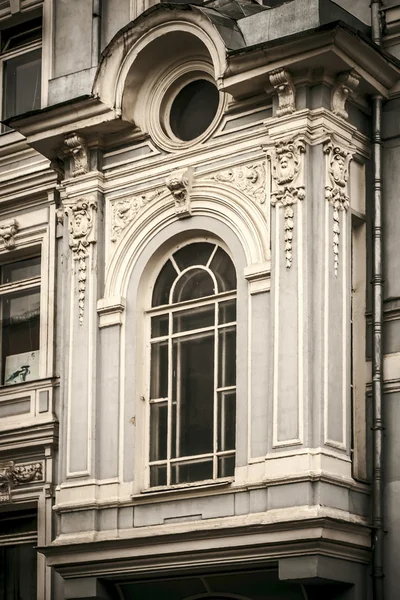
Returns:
point(282, 83)
point(346, 84)
point(125, 211)
point(288, 184)
point(179, 184)
point(337, 161)
point(75, 146)
point(8, 230)
point(81, 220)
point(12, 475)
point(249, 179)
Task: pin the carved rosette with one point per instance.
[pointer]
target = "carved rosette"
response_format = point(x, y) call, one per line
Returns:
point(249, 179)
point(8, 230)
point(81, 230)
point(125, 211)
point(346, 84)
point(179, 183)
point(282, 83)
point(12, 475)
point(288, 186)
point(337, 161)
point(76, 147)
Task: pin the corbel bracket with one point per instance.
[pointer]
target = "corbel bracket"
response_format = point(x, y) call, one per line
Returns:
point(346, 84)
point(179, 183)
point(282, 82)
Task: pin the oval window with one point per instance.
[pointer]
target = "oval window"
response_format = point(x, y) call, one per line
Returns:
point(193, 109)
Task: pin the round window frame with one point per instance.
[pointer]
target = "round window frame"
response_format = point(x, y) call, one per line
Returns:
point(163, 93)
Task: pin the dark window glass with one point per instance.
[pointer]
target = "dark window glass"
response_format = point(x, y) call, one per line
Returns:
point(20, 336)
point(163, 284)
point(195, 318)
point(159, 428)
point(18, 565)
point(193, 254)
point(22, 84)
point(193, 393)
point(223, 269)
point(194, 284)
point(23, 269)
point(21, 35)
point(194, 109)
point(159, 370)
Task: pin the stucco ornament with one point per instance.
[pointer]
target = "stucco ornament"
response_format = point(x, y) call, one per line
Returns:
point(11, 475)
point(125, 211)
point(346, 84)
point(81, 216)
point(75, 146)
point(288, 187)
point(337, 163)
point(281, 81)
point(179, 184)
point(8, 229)
point(249, 179)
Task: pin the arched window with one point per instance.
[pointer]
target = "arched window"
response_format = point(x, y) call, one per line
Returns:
point(193, 367)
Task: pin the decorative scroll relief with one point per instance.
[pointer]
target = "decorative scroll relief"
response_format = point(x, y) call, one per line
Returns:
point(249, 179)
point(179, 183)
point(7, 233)
point(125, 211)
point(346, 83)
point(11, 476)
point(81, 234)
point(288, 187)
point(75, 146)
point(337, 163)
point(282, 82)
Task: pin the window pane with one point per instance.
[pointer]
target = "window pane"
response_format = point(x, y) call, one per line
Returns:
point(226, 420)
point(20, 333)
point(226, 466)
point(158, 475)
point(193, 254)
point(222, 267)
point(159, 326)
point(194, 318)
point(22, 84)
point(23, 269)
point(194, 471)
point(194, 109)
point(193, 392)
point(163, 284)
point(18, 572)
point(194, 284)
point(227, 357)
point(159, 370)
point(158, 430)
point(227, 312)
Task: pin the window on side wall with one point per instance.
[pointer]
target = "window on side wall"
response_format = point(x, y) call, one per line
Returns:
point(18, 556)
point(21, 66)
point(20, 320)
point(192, 404)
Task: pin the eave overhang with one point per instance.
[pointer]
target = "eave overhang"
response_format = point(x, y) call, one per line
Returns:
point(334, 48)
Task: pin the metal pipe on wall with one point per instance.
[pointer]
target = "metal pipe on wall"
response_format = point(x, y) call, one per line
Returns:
point(96, 32)
point(377, 347)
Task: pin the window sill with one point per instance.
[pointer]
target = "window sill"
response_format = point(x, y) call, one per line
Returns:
point(183, 488)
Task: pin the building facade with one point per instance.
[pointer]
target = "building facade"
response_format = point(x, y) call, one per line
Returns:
point(191, 218)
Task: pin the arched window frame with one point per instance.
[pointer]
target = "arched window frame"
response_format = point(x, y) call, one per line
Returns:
point(217, 455)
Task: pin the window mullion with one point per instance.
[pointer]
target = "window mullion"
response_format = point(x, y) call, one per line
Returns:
point(170, 374)
point(215, 420)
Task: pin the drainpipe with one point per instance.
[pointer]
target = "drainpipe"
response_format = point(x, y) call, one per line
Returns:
point(96, 32)
point(377, 348)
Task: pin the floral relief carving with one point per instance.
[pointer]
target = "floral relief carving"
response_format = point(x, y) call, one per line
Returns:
point(281, 81)
point(336, 189)
point(179, 183)
point(288, 186)
point(81, 234)
point(7, 233)
point(12, 475)
point(125, 211)
point(346, 84)
point(249, 179)
point(75, 146)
